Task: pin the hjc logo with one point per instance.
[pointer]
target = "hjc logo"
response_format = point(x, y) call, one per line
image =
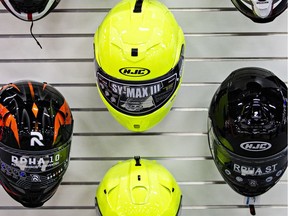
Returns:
point(256, 146)
point(134, 72)
point(36, 139)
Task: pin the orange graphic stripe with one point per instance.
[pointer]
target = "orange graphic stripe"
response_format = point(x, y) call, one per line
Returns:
point(8, 120)
point(44, 86)
point(59, 120)
point(31, 90)
point(11, 84)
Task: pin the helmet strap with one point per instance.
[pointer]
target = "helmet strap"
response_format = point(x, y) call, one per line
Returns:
point(250, 202)
point(31, 27)
point(252, 209)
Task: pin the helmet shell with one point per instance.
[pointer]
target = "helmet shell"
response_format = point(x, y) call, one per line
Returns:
point(247, 130)
point(261, 11)
point(31, 10)
point(138, 187)
point(36, 126)
point(138, 44)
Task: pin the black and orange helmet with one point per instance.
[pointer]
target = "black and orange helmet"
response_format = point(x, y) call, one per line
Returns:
point(36, 126)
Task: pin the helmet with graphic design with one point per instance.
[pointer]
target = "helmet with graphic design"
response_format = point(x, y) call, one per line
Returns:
point(247, 130)
point(138, 187)
point(30, 10)
point(261, 11)
point(139, 55)
point(36, 127)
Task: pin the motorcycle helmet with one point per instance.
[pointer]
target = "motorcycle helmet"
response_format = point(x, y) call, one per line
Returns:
point(138, 187)
point(36, 127)
point(30, 10)
point(139, 50)
point(247, 130)
point(261, 11)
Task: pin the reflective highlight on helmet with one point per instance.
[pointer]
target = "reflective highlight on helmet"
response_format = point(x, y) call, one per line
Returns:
point(247, 130)
point(139, 49)
point(261, 11)
point(138, 187)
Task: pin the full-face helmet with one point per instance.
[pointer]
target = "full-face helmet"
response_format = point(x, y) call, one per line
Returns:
point(139, 50)
point(247, 130)
point(36, 128)
point(138, 187)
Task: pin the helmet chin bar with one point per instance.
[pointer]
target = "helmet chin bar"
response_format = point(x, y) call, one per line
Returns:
point(262, 8)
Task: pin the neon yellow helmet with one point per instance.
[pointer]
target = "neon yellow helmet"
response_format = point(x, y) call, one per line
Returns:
point(139, 50)
point(138, 188)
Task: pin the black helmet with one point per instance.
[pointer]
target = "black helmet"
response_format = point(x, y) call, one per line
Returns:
point(36, 127)
point(247, 130)
point(30, 10)
point(261, 11)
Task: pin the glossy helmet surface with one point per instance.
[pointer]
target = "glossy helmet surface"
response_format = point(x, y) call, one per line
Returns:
point(247, 130)
point(261, 11)
point(139, 50)
point(138, 187)
point(36, 128)
point(30, 10)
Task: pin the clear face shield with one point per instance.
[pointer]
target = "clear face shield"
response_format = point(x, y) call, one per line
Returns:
point(139, 98)
point(249, 176)
point(34, 170)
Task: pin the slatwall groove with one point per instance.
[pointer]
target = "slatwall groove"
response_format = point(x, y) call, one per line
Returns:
point(217, 37)
point(199, 34)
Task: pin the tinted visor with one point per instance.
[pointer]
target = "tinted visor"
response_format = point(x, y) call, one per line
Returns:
point(33, 170)
point(248, 176)
point(142, 97)
point(29, 6)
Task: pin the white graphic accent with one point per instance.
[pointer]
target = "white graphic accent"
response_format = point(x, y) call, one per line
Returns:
point(36, 139)
point(254, 171)
point(43, 162)
point(227, 172)
point(279, 173)
point(35, 178)
point(239, 179)
point(269, 179)
point(253, 183)
point(256, 146)
point(262, 8)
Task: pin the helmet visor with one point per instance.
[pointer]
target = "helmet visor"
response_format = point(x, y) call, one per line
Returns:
point(34, 169)
point(252, 176)
point(142, 97)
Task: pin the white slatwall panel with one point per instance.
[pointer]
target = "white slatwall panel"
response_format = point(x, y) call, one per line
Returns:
point(219, 40)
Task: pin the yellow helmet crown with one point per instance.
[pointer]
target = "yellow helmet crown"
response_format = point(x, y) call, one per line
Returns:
point(138, 187)
point(139, 51)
